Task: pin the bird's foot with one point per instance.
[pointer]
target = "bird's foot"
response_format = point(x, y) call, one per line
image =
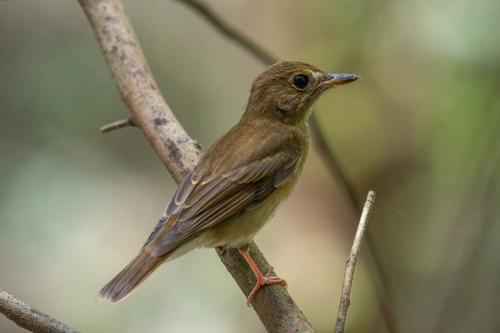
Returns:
point(265, 280)
point(262, 280)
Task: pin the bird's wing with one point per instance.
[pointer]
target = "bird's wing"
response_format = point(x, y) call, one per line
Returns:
point(203, 200)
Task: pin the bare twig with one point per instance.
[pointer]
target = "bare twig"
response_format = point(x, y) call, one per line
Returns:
point(117, 125)
point(226, 29)
point(276, 309)
point(381, 279)
point(28, 317)
point(330, 160)
point(345, 299)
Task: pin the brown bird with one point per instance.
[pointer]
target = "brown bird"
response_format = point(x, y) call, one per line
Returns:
point(238, 184)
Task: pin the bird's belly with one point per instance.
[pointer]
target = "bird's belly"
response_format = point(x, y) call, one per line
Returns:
point(238, 231)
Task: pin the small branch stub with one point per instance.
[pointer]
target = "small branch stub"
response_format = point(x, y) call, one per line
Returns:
point(117, 125)
point(345, 299)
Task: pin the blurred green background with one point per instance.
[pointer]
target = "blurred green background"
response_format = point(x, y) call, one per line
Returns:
point(421, 128)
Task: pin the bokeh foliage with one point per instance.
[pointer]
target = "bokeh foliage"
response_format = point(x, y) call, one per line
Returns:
point(421, 128)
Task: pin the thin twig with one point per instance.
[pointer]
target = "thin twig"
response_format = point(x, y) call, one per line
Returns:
point(230, 32)
point(345, 299)
point(276, 309)
point(117, 125)
point(28, 317)
point(330, 160)
point(381, 279)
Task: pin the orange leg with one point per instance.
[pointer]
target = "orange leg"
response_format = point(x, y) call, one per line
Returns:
point(262, 280)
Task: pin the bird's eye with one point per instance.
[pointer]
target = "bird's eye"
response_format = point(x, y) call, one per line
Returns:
point(300, 81)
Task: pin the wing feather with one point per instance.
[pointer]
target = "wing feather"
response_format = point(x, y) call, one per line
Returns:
point(205, 201)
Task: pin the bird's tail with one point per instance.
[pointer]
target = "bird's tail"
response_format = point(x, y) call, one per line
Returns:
point(131, 276)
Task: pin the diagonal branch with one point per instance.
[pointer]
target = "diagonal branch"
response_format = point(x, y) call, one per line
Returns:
point(138, 89)
point(228, 31)
point(322, 145)
point(28, 317)
point(178, 152)
point(345, 299)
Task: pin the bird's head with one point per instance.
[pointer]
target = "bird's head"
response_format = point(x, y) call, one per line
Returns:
point(287, 90)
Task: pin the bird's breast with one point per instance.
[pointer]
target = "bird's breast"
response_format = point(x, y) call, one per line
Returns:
point(240, 230)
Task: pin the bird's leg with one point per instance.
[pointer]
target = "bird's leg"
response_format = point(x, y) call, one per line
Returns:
point(261, 279)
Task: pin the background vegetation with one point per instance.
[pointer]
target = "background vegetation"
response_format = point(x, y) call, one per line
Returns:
point(421, 128)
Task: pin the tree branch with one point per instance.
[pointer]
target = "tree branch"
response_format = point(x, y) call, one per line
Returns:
point(138, 89)
point(148, 110)
point(345, 299)
point(231, 33)
point(28, 317)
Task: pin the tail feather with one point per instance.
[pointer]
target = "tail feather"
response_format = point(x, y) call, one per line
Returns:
point(131, 276)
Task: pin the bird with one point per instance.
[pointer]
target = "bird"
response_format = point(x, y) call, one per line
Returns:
point(237, 185)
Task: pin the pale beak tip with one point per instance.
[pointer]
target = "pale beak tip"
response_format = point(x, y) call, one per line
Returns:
point(342, 78)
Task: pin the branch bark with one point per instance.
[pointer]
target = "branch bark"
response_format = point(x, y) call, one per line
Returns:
point(345, 299)
point(178, 152)
point(138, 89)
point(28, 317)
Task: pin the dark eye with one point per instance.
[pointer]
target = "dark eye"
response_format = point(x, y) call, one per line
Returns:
point(300, 81)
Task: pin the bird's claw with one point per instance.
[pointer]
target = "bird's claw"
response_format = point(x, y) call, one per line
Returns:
point(265, 280)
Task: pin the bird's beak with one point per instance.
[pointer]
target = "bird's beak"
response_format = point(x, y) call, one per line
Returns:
point(335, 79)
